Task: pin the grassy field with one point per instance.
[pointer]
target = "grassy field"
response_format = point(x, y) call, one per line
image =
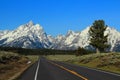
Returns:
point(104, 61)
point(13, 64)
point(33, 58)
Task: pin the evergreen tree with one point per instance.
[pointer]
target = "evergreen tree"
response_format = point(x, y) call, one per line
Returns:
point(97, 37)
point(80, 51)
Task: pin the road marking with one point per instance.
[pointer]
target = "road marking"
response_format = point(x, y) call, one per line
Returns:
point(101, 71)
point(35, 78)
point(70, 71)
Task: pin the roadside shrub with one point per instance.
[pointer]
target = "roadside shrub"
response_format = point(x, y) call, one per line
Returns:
point(82, 51)
point(6, 57)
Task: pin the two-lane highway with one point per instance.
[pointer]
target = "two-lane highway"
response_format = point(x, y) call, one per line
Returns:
point(45, 69)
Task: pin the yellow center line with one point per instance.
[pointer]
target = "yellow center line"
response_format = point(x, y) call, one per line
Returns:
point(70, 71)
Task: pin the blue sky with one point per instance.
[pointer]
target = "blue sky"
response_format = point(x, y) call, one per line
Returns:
point(59, 16)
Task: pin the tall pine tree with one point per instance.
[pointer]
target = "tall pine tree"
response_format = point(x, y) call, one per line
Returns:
point(97, 37)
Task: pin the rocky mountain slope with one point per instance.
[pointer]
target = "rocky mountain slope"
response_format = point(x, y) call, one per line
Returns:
point(26, 36)
point(33, 36)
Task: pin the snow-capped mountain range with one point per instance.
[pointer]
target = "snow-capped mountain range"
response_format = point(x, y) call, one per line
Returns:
point(32, 35)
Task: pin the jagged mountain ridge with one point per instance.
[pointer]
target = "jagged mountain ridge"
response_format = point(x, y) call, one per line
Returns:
point(26, 36)
point(33, 36)
point(75, 39)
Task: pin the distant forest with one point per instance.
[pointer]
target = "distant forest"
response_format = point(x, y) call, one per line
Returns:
point(23, 51)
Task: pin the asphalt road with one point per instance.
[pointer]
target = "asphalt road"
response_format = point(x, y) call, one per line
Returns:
point(45, 69)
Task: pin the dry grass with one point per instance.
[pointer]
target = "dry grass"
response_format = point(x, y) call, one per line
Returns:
point(12, 65)
point(33, 58)
point(105, 61)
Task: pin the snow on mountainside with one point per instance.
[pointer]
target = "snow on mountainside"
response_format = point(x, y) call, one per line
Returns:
point(113, 38)
point(26, 36)
point(75, 39)
point(3, 33)
point(33, 36)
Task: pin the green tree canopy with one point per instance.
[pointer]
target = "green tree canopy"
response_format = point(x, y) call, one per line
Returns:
point(97, 37)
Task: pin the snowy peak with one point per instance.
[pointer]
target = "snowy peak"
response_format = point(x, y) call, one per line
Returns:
point(30, 23)
point(26, 36)
point(70, 32)
point(113, 37)
point(85, 31)
point(32, 35)
point(4, 33)
point(72, 40)
point(30, 27)
point(25, 30)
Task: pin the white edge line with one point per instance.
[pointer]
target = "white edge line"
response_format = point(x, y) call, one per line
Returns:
point(37, 70)
point(101, 71)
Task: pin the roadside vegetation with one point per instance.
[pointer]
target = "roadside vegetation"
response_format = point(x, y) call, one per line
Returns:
point(19, 59)
point(13, 64)
point(104, 61)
